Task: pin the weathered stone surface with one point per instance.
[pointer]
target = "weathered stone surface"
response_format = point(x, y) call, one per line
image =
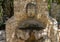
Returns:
point(20, 16)
point(2, 36)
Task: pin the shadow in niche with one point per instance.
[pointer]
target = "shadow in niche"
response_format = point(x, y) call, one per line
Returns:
point(2, 27)
point(32, 27)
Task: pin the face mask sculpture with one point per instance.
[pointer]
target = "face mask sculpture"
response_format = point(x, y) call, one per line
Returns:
point(31, 23)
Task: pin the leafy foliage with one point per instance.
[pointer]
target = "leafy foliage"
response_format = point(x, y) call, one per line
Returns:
point(6, 10)
point(58, 1)
point(1, 13)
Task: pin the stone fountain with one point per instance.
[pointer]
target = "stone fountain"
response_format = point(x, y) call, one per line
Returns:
point(26, 13)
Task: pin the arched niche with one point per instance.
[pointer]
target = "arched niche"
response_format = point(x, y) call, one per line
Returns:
point(31, 9)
